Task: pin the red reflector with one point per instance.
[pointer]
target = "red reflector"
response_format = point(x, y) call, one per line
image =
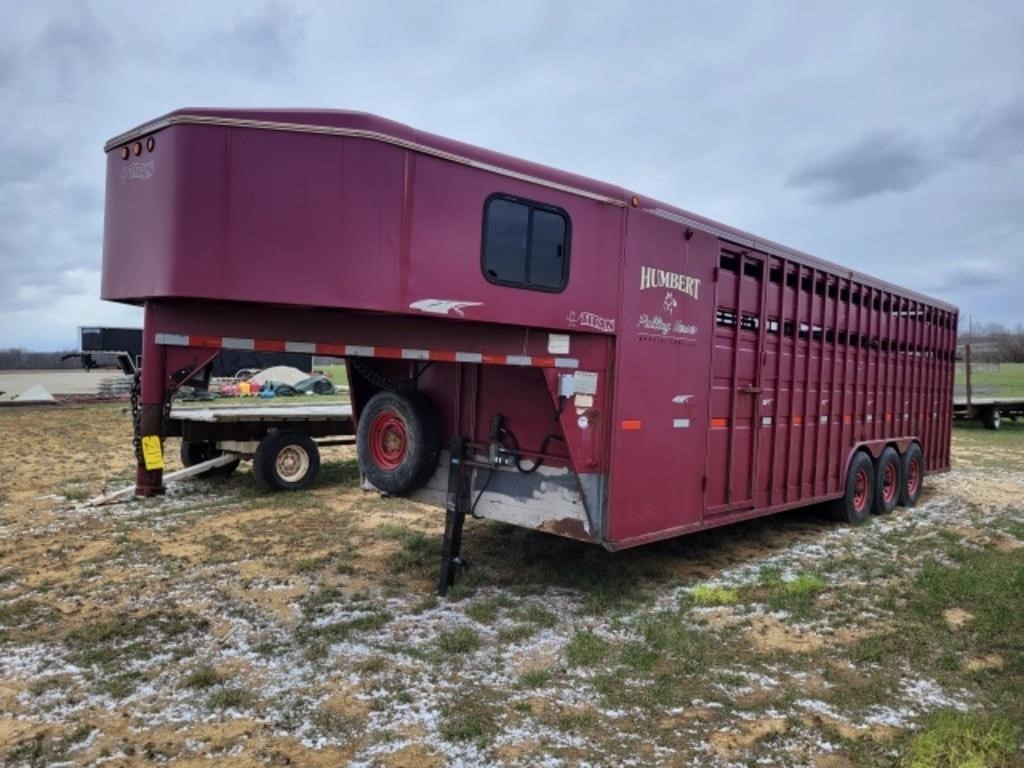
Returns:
point(798, 420)
point(719, 423)
point(632, 424)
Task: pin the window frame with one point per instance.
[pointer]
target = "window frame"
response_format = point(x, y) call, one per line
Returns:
point(531, 205)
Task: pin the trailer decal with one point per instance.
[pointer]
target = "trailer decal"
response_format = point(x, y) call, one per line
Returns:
point(651, 277)
point(591, 320)
point(352, 350)
point(444, 306)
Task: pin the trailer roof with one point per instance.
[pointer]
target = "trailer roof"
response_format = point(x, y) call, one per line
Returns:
point(367, 126)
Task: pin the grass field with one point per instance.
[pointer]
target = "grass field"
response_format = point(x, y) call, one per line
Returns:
point(1008, 381)
point(221, 626)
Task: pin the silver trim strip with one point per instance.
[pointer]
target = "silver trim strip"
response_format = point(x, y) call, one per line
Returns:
point(229, 343)
point(352, 133)
point(172, 339)
point(301, 347)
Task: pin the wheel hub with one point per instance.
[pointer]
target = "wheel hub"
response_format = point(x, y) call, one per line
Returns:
point(292, 463)
point(389, 440)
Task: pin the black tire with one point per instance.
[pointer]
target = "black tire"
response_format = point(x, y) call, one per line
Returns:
point(855, 505)
point(888, 481)
point(912, 476)
point(990, 418)
point(398, 440)
point(286, 461)
point(197, 453)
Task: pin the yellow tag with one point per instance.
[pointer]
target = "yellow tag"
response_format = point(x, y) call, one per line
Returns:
point(152, 453)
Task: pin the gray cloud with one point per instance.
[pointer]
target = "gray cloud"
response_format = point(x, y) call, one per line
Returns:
point(260, 44)
point(764, 119)
point(897, 162)
point(878, 163)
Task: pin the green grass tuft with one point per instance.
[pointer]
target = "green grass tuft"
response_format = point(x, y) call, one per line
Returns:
point(963, 740)
point(586, 649)
point(459, 640)
point(704, 594)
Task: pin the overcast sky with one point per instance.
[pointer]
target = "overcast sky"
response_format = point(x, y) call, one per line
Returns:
point(889, 140)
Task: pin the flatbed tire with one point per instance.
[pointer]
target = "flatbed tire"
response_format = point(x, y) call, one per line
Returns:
point(286, 461)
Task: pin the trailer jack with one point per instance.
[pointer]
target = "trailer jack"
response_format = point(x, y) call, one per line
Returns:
point(457, 505)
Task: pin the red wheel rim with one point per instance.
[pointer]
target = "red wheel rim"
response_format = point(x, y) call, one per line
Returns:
point(889, 482)
point(389, 441)
point(913, 476)
point(860, 489)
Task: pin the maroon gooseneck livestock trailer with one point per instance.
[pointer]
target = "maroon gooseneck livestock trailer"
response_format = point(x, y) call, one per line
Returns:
point(523, 344)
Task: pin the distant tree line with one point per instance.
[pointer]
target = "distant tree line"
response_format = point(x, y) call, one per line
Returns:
point(993, 342)
point(14, 358)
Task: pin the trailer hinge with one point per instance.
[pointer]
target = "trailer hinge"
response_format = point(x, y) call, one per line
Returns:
point(704, 483)
point(714, 275)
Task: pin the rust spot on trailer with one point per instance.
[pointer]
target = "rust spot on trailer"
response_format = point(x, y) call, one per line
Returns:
point(567, 526)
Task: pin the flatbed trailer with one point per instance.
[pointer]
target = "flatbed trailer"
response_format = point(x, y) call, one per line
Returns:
point(990, 411)
point(524, 344)
point(283, 441)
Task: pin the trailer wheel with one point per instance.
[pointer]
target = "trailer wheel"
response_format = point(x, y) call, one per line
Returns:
point(286, 461)
point(398, 440)
point(197, 453)
point(889, 482)
point(855, 505)
point(913, 476)
point(990, 418)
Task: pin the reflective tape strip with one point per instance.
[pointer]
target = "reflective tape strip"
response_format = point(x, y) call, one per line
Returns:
point(231, 343)
point(766, 421)
point(824, 419)
point(353, 350)
point(680, 423)
point(172, 340)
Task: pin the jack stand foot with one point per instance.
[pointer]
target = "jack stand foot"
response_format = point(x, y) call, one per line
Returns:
point(455, 517)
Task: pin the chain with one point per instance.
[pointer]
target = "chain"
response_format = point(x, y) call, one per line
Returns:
point(136, 393)
point(137, 417)
point(403, 384)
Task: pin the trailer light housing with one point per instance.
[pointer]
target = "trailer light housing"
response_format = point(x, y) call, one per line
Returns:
point(150, 144)
point(137, 148)
point(124, 153)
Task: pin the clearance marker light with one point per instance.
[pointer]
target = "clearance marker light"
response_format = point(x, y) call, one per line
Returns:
point(137, 148)
point(124, 153)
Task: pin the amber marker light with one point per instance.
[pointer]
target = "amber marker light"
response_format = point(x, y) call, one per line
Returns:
point(150, 144)
point(137, 148)
point(635, 201)
point(124, 153)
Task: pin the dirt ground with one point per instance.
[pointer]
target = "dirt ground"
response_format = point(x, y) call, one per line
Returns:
point(218, 625)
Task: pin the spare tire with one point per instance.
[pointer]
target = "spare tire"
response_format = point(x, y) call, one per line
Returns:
point(398, 440)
